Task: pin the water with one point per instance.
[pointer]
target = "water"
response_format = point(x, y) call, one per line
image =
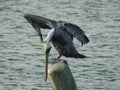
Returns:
point(21, 53)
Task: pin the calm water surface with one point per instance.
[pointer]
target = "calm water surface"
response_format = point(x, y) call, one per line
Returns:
point(21, 53)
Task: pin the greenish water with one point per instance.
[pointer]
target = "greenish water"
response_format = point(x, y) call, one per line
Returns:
point(21, 53)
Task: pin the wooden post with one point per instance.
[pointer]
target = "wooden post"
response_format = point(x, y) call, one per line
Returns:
point(61, 77)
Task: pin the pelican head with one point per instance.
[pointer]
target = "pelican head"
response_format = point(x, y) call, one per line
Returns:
point(47, 48)
point(47, 40)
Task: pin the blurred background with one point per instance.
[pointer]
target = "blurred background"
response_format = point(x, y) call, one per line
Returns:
point(21, 52)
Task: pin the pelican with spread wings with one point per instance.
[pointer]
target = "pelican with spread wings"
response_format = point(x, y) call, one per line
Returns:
point(61, 35)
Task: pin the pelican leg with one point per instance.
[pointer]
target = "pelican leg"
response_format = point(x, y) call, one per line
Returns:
point(59, 56)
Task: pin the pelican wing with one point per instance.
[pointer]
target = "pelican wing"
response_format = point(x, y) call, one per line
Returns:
point(39, 22)
point(77, 32)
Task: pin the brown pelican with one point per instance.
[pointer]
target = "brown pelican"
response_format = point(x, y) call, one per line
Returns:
point(61, 35)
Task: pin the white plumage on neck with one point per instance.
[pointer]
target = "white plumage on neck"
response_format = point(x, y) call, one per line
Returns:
point(48, 39)
point(49, 36)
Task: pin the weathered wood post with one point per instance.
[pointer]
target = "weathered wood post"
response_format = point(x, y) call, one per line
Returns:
point(61, 77)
